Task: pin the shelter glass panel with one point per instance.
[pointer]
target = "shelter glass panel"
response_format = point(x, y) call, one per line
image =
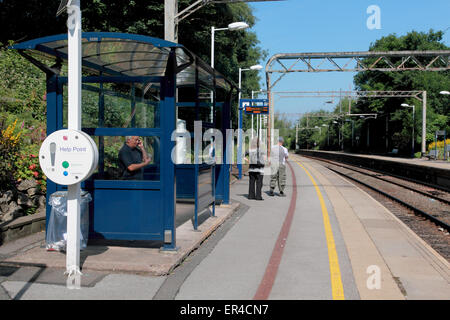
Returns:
point(109, 167)
point(116, 105)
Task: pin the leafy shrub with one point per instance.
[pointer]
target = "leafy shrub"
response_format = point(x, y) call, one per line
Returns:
point(19, 150)
point(9, 148)
point(440, 144)
point(22, 86)
point(27, 161)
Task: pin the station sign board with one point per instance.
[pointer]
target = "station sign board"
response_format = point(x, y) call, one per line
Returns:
point(255, 106)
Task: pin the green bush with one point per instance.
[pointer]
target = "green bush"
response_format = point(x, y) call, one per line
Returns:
point(19, 150)
point(22, 86)
point(9, 148)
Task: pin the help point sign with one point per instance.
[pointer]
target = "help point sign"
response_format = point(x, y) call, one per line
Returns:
point(68, 156)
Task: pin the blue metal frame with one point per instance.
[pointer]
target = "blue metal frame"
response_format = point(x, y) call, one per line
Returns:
point(190, 187)
point(241, 108)
point(223, 171)
point(111, 195)
point(97, 36)
point(168, 118)
point(200, 205)
point(115, 199)
point(239, 155)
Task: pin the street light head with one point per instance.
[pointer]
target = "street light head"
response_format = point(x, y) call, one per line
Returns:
point(256, 67)
point(444, 92)
point(237, 26)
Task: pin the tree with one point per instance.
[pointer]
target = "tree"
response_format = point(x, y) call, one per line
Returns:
point(399, 119)
point(22, 87)
point(31, 19)
point(286, 129)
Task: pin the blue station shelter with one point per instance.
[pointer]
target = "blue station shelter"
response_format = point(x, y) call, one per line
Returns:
point(135, 85)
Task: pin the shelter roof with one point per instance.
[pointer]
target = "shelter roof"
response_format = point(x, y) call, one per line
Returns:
point(124, 54)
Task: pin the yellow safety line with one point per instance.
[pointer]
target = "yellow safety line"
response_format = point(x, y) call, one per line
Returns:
point(335, 272)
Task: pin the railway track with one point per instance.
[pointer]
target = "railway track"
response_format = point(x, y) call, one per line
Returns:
point(426, 201)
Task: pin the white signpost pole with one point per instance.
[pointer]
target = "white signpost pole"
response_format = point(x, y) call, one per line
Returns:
point(74, 123)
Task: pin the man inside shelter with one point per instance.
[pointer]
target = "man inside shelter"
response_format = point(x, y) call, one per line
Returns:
point(132, 159)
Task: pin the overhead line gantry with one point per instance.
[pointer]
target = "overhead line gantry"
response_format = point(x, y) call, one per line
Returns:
point(384, 61)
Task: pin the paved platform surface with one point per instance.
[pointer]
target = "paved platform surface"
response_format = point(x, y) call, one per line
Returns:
point(130, 259)
point(327, 239)
point(374, 255)
point(375, 237)
point(242, 256)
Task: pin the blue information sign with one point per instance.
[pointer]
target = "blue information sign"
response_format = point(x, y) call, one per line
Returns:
point(255, 106)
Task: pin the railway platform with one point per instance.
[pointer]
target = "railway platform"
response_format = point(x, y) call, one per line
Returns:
point(327, 239)
point(432, 172)
point(425, 162)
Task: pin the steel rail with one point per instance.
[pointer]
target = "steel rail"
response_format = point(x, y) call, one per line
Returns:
point(347, 166)
point(431, 185)
point(417, 210)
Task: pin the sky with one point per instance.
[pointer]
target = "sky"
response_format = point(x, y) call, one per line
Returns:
point(295, 26)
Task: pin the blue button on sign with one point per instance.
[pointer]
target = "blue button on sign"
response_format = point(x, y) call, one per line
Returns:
point(65, 173)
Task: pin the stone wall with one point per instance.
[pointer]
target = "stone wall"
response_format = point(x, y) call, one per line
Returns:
point(16, 203)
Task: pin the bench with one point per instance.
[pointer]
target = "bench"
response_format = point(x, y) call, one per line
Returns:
point(394, 152)
point(433, 154)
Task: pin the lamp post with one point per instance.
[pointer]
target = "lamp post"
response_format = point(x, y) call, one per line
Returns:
point(368, 117)
point(413, 113)
point(445, 142)
point(235, 26)
point(320, 129)
point(320, 134)
point(339, 134)
point(258, 116)
point(239, 162)
point(328, 134)
point(74, 35)
point(353, 129)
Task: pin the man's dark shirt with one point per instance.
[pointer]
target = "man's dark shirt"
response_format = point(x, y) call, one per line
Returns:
point(128, 156)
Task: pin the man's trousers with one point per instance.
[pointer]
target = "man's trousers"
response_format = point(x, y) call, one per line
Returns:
point(278, 176)
point(255, 185)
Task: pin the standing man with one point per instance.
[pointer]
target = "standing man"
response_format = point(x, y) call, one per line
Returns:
point(279, 155)
point(133, 158)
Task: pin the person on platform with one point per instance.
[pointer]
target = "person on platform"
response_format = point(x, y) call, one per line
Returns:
point(278, 156)
point(257, 159)
point(133, 158)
